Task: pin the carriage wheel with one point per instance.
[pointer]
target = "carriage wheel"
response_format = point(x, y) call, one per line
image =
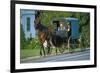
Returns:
point(62, 50)
point(71, 45)
point(74, 44)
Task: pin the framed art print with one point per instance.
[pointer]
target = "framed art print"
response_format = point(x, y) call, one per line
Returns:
point(52, 36)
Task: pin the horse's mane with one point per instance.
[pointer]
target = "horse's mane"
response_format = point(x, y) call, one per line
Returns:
point(42, 27)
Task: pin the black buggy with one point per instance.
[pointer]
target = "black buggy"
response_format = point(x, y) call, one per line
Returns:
point(67, 28)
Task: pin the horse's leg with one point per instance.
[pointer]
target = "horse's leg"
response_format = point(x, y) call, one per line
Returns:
point(45, 47)
point(44, 51)
point(56, 50)
point(41, 50)
point(49, 51)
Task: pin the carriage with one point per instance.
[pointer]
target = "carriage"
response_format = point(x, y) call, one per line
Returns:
point(67, 28)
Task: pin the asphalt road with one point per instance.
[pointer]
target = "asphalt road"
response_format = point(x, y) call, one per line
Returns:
point(77, 56)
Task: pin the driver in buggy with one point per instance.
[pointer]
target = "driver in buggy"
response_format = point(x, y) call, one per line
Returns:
point(61, 27)
point(66, 29)
point(62, 30)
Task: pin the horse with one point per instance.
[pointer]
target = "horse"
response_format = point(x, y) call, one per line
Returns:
point(43, 36)
point(49, 39)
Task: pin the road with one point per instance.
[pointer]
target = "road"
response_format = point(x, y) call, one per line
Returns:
point(77, 56)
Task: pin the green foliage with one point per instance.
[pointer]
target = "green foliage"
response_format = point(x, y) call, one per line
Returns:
point(47, 16)
point(22, 38)
point(33, 44)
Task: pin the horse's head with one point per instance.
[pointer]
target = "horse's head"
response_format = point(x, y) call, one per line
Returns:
point(36, 23)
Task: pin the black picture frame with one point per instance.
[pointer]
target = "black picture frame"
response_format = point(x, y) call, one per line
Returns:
point(12, 36)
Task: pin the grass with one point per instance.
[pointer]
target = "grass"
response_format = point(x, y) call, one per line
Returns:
point(24, 53)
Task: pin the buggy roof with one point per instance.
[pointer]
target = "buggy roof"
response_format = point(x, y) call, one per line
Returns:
point(70, 18)
point(65, 19)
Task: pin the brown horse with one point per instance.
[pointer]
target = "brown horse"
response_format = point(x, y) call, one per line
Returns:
point(43, 36)
point(49, 39)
